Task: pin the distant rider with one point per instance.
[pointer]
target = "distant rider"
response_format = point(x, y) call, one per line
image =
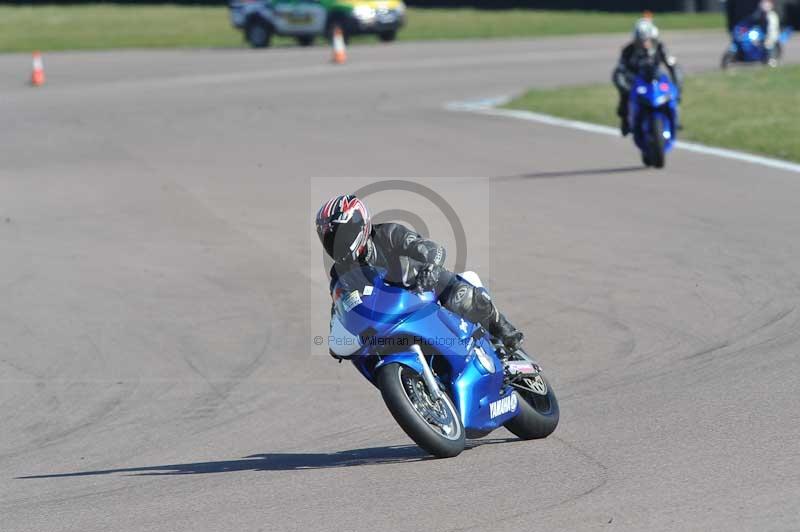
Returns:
point(767, 19)
point(349, 238)
point(645, 49)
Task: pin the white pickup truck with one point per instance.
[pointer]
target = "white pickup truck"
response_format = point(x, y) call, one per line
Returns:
point(307, 19)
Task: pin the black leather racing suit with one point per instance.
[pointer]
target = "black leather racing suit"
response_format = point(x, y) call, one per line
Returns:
point(406, 256)
point(631, 60)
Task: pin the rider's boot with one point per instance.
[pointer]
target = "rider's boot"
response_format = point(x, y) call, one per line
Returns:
point(622, 113)
point(503, 330)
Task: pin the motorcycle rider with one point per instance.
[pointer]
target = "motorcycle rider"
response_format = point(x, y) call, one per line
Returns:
point(349, 238)
point(767, 18)
point(645, 49)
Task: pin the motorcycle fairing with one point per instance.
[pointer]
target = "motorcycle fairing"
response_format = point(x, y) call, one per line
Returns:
point(649, 100)
point(747, 42)
point(391, 319)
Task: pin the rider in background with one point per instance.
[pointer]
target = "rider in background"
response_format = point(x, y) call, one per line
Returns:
point(767, 18)
point(349, 238)
point(645, 49)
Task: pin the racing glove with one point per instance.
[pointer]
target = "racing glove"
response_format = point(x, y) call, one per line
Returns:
point(428, 277)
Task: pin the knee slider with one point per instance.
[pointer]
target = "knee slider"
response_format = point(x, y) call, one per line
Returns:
point(471, 302)
point(481, 300)
point(482, 306)
point(460, 299)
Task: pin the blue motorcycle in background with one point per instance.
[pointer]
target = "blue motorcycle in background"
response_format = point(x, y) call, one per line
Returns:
point(747, 45)
point(653, 114)
point(443, 379)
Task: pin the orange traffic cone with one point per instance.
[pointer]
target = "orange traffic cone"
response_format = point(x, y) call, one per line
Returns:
point(339, 50)
point(37, 77)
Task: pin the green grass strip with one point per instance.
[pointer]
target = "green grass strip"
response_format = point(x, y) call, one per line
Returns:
point(109, 26)
point(753, 109)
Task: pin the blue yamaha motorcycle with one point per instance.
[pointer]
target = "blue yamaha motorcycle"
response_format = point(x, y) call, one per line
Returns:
point(653, 115)
point(747, 45)
point(443, 379)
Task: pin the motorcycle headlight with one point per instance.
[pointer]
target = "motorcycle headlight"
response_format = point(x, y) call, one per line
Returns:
point(364, 13)
point(484, 360)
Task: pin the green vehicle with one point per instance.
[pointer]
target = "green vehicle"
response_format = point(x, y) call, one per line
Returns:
point(307, 19)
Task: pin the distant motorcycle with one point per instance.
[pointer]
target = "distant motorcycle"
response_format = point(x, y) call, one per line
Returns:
point(653, 114)
point(443, 378)
point(747, 45)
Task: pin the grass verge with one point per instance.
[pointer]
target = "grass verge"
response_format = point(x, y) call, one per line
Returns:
point(472, 23)
point(104, 26)
point(751, 109)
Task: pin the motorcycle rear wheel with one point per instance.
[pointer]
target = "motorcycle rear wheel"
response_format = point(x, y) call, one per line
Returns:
point(538, 414)
point(434, 425)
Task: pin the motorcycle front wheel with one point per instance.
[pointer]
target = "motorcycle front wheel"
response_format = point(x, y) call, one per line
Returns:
point(433, 424)
point(657, 143)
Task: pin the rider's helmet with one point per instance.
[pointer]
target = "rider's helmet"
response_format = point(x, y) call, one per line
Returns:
point(344, 227)
point(645, 33)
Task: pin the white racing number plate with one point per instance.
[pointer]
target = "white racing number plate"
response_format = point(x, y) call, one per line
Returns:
point(532, 379)
point(522, 367)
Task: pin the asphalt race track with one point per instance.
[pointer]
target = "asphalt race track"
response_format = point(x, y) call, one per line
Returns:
point(161, 287)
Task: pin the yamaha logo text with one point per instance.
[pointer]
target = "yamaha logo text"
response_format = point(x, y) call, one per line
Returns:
point(503, 406)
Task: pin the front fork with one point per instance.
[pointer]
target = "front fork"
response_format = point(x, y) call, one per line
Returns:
point(427, 374)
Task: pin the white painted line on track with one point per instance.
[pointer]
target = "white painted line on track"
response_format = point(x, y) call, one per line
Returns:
point(489, 106)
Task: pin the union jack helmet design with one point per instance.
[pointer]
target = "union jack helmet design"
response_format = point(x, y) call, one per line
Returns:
point(343, 227)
